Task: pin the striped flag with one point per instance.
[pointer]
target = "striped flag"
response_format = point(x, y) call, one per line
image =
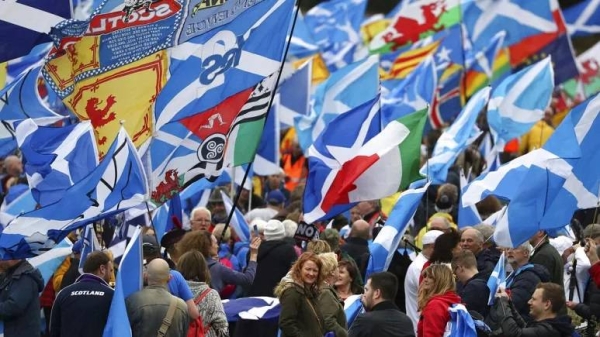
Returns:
point(409, 60)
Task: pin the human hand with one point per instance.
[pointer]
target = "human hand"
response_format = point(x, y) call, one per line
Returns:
point(501, 293)
point(571, 304)
point(254, 244)
point(590, 251)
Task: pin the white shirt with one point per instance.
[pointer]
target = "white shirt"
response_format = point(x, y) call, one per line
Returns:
point(411, 288)
point(265, 214)
point(583, 266)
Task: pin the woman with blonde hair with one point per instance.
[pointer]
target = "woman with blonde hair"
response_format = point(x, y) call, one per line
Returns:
point(329, 302)
point(300, 314)
point(436, 295)
point(318, 247)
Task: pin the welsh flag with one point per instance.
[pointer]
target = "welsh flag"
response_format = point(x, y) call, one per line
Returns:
point(354, 160)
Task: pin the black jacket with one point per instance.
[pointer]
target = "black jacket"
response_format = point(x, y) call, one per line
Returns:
point(523, 286)
point(475, 294)
point(81, 309)
point(591, 305)
point(358, 249)
point(513, 326)
point(384, 320)
point(548, 256)
point(487, 260)
point(274, 260)
point(20, 302)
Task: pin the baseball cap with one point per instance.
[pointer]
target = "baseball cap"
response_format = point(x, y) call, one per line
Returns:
point(150, 245)
point(431, 236)
point(275, 197)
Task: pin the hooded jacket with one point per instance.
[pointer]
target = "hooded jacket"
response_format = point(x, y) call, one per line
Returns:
point(19, 300)
point(475, 293)
point(333, 312)
point(523, 284)
point(435, 316)
point(274, 260)
point(512, 325)
point(300, 313)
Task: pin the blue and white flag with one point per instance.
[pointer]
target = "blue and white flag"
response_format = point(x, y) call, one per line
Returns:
point(461, 322)
point(49, 262)
point(385, 244)
point(352, 308)
point(455, 139)
point(252, 308)
point(26, 23)
point(335, 26)
point(22, 204)
point(497, 279)
point(293, 95)
point(583, 18)
point(128, 281)
point(467, 215)
point(266, 161)
point(343, 91)
point(56, 158)
point(90, 244)
point(519, 101)
point(482, 61)
point(302, 43)
point(490, 153)
point(118, 183)
point(238, 223)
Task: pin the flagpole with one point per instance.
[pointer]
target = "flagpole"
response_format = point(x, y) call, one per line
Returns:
point(247, 171)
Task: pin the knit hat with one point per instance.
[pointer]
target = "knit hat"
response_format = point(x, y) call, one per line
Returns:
point(431, 236)
point(274, 230)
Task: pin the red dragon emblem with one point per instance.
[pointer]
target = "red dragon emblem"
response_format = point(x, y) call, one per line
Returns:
point(100, 116)
point(167, 187)
point(409, 30)
point(591, 70)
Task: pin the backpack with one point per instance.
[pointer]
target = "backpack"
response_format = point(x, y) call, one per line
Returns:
point(228, 289)
point(197, 327)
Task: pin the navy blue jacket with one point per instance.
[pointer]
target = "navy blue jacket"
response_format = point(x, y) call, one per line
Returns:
point(475, 294)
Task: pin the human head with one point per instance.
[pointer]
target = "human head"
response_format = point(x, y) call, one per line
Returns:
point(332, 237)
point(547, 301)
point(216, 205)
point(538, 237)
point(488, 206)
point(274, 181)
point(488, 234)
point(447, 198)
point(7, 264)
point(275, 199)
point(13, 166)
point(290, 227)
point(318, 247)
point(519, 256)
point(99, 264)
point(150, 247)
point(339, 222)
point(366, 207)
point(440, 222)
point(429, 242)
point(201, 219)
point(380, 287)
point(360, 229)
point(157, 272)
point(464, 265)
point(592, 231)
point(355, 214)
point(218, 233)
point(274, 230)
point(348, 275)
point(197, 240)
point(471, 239)
point(307, 270)
point(329, 267)
point(445, 246)
point(437, 280)
point(192, 265)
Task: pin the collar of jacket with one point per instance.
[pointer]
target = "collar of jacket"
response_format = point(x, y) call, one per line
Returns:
point(87, 277)
point(358, 241)
point(385, 305)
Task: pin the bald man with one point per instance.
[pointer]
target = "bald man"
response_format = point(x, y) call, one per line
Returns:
point(473, 240)
point(148, 307)
point(357, 244)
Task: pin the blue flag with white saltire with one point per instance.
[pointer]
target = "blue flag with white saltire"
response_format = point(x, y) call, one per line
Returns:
point(482, 61)
point(252, 308)
point(335, 26)
point(128, 281)
point(238, 223)
point(90, 244)
point(461, 322)
point(583, 18)
point(293, 95)
point(497, 279)
point(467, 215)
point(48, 262)
point(302, 43)
point(455, 139)
point(352, 308)
point(22, 204)
point(118, 183)
point(343, 91)
point(385, 244)
point(56, 158)
point(519, 101)
point(266, 161)
point(25, 24)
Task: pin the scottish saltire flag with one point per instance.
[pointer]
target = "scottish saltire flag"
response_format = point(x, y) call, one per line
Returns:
point(123, 234)
point(302, 43)
point(128, 281)
point(461, 322)
point(26, 23)
point(238, 223)
point(48, 262)
point(455, 139)
point(519, 102)
point(467, 215)
point(414, 93)
point(583, 18)
point(16, 67)
point(252, 308)
point(335, 26)
point(490, 153)
point(266, 161)
point(22, 204)
point(90, 244)
point(482, 63)
point(343, 91)
point(352, 308)
point(293, 95)
point(212, 141)
point(385, 244)
point(497, 279)
point(241, 53)
point(56, 158)
point(118, 183)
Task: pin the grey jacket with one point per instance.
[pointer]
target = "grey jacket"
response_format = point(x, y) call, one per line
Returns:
point(148, 307)
point(210, 309)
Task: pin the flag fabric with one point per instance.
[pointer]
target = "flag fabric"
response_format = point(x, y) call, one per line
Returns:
point(223, 136)
point(407, 61)
point(56, 158)
point(583, 18)
point(385, 244)
point(252, 308)
point(335, 26)
point(293, 95)
point(497, 279)
point(461, 322)
point(268, 151)
point(26, 23)
point(482, 64)
point(343, 91)
point(22, 204)
point(516, 104)
point(587, 83)
point(49, 262)
point(467, 216)
point(118, 183)
point(352, 308)
point(128, 281)
point(238, 223)
point(90, 244)
point(302, 43)
point(455, 139)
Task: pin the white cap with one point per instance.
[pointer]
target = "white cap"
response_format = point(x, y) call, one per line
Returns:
point(431, 236)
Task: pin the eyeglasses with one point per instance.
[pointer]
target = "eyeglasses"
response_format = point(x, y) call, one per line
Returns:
point(202, 220)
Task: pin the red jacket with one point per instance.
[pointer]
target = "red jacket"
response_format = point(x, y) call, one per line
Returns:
point(435, 315)
point(595, 273)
